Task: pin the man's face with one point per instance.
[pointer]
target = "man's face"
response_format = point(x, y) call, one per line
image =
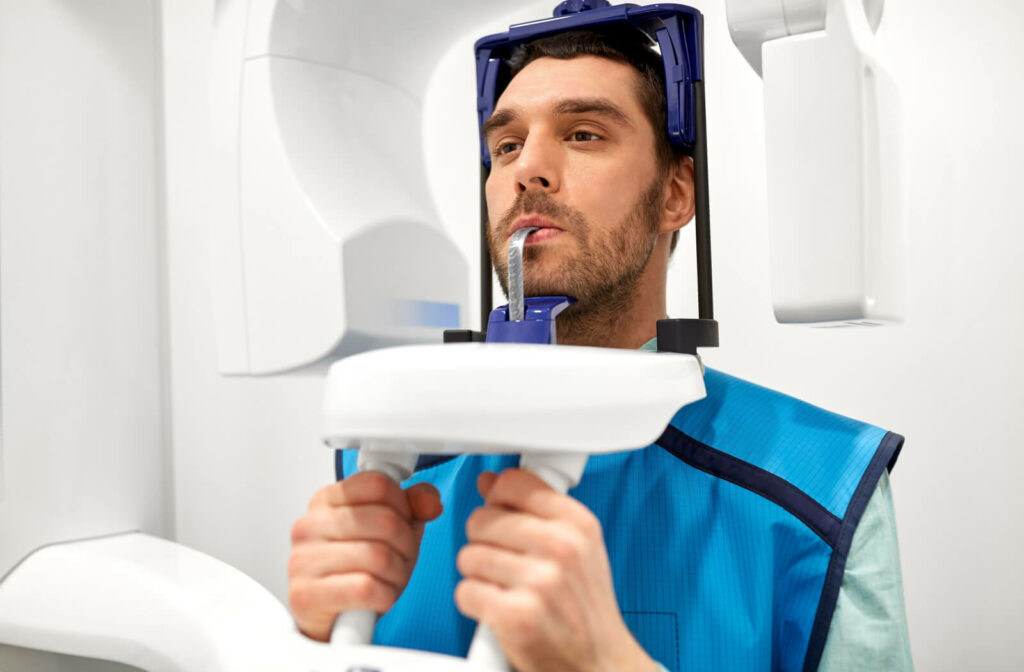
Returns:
point(573, 153)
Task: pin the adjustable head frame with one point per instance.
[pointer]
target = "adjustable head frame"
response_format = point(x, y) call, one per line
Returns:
point(678, 32)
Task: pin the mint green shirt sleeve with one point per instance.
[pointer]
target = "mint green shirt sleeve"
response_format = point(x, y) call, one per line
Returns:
point(869, 626)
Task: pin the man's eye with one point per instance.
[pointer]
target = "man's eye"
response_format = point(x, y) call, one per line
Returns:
point(584, 136)
point(507, 148)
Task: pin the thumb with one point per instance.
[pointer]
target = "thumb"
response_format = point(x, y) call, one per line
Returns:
point(424, 502)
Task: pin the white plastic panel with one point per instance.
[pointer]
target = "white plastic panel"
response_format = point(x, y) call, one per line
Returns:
point(432, 398)
point(804, 16)
point(832, 144)
point(162, 607)
point(754, 22)
point(395, 41)
point(317, 126)
point(335, 233)
point(291, 263)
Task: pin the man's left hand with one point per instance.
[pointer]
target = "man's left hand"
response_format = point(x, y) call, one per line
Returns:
point(536, 571)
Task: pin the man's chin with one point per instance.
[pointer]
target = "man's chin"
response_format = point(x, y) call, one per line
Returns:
point(548, 289)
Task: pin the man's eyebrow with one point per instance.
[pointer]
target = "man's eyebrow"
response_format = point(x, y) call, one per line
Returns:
point(497, 120)
point(599, 106)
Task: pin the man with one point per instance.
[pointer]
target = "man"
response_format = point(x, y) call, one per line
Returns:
point(704, 563)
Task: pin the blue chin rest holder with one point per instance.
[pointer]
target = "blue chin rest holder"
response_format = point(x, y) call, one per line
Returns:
point(537, 325)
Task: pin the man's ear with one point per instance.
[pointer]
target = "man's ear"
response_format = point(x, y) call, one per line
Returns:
point(680, 202)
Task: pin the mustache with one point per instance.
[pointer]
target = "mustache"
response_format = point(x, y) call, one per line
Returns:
point(537, 203)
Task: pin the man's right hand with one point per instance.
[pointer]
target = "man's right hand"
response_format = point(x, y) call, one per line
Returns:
point(356, 548)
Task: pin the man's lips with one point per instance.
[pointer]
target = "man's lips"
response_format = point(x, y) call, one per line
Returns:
point(546, 226)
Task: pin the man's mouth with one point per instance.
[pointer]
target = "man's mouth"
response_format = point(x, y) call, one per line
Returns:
point(546, 228)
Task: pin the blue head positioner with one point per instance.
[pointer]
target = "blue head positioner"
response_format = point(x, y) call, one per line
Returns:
point(678, 32)
point(676, 29)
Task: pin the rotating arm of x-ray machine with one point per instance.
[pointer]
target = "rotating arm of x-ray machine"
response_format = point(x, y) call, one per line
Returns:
point(316, 138)
point(832, 140)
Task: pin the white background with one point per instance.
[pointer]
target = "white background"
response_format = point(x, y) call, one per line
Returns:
point(245, 454)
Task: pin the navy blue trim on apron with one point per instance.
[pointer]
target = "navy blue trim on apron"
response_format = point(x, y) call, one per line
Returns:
point(722, 465)
point(885, 458)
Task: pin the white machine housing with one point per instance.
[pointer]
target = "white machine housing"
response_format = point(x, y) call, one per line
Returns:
point(317, 141)
point(832, 139)
point(498, 398)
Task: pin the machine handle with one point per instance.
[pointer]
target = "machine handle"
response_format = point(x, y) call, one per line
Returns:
point(561, 471)
point(395, 462)
point(354, 627)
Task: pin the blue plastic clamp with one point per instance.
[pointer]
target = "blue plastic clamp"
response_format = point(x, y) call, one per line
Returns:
point(537, 325)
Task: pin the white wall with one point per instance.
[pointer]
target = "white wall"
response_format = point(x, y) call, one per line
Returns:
point(80, 294)
point(246, 450)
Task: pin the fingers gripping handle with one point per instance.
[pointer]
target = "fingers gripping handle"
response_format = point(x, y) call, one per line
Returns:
point(356, 626)
point(561, 472)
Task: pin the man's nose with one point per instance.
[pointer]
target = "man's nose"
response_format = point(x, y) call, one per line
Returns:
point(537, 167)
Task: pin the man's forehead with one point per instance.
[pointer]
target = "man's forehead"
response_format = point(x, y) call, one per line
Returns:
point(547, 82)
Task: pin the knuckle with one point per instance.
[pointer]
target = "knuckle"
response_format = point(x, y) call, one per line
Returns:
point(472, 523)
point(297, 563)
point(507, 480)
point(363, 587)
point(522, 476)
point(301, 597)
point(463, 599)
point(476, 522)
point(460, 592)
point(544, 580)
point(590, 524)
point(379, 555)
point(301, 530)
point(388, 596)
point(388, 523)
point(374, 485)
point(522, 618)
point(370, 593)
point(564, 550)
point(464, 561)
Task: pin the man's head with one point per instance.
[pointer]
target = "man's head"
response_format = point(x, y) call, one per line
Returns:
point(578, 147)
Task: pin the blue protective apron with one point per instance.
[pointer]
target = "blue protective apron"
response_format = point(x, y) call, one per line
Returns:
point(727, 537)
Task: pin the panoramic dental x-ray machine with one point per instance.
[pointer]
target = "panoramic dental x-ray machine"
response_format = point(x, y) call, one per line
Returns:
point(303, 100)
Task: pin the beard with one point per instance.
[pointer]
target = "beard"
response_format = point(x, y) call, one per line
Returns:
point(602, 272)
